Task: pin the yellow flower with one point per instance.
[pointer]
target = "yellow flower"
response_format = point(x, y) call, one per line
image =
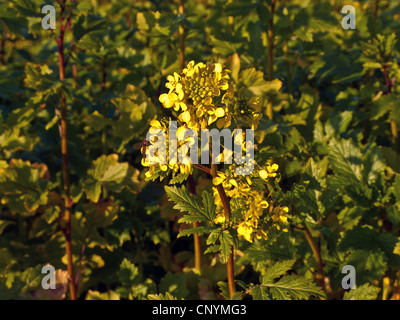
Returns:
point(279, 217)
point(219, 219)
point(221, 177)
point(268, 172)
point(194, 92)
point(159, 161)
point(261, 234)
point(245, 230)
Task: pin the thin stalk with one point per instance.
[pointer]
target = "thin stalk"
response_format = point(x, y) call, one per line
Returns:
point(376, 8)
point(191, 182)
point(270, 43)
point(104, 109)
point(64, 154)
point(289, 71)
point(79, 269)
point(197, 240)
point(202, 168)
point(393, 125)
point(227, 213)
point(318, 258)
point(2, 51)
point(181, 36)
point(395, 133)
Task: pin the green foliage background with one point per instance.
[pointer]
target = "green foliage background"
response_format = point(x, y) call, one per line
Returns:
point(334, 135)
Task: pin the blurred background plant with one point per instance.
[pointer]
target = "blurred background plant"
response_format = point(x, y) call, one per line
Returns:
point(330, 99)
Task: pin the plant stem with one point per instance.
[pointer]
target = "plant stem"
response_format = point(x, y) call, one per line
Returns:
point(202, 168)
point(270, 43)
point(289, 72)
point(317, 255)
point(191, 182)
point(64, 154)
point(395, 133)
point(104, 108)
point(2, 51)
point(393, 125)
point(197, 240)
point(181, 36)
point(227, 212)
point(376, 8)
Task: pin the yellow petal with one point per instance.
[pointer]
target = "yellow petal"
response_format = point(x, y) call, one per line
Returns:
point(248, 180)
point(155, 124)
point(181, 94)
point(185, 116)
point(263, 174)
point(163, 97)
point(217, 180)
point(264, 204)
point(274, 167)
point(220, 112)
point(218, 67)
point(233, 182)
point(220, 123)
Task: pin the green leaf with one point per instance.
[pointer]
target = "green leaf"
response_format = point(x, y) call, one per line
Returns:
point(224, 289)
point(190, 218)
point(175, 284)
point(133, 286)
point(160, 296)
point(396, 188)
point(179, 178)
point(128, 274)
point(86, 24)
point(349, 217)
point(183, 200)
point(213, 237)
point(225, 48)
point(392, 158)
point(373, 165)
point(107, 172)
point(259, 293)
point(345, 159)
point(255, 85)
point(212, 249)
point(198, 230)
point(96, 295)
point(370, 265)
point(338, 123)
point(381, 106)
point(210, 208)
point(226, 241)
point(92, 190)
point(277, 270)
point(293, 287)
point(364, 292)
point(28, 8)
point(23, 187)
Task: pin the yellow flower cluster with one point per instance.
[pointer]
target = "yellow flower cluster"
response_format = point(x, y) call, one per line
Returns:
point(203, 95)
point(256, 214)
point(161, 159)
point(199, 93)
